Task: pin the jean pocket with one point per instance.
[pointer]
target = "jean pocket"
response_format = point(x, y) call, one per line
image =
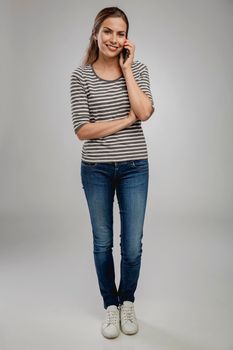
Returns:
point(140, 164)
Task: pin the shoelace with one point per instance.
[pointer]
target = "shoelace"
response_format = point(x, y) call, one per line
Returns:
point(128, 313)
point(111, 317)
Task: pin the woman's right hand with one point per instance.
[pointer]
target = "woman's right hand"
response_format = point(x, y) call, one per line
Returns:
point(132, 116)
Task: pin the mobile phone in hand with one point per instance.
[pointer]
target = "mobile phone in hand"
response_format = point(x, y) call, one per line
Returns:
point(125, 53)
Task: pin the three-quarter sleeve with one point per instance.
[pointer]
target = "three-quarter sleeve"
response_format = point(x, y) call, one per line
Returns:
point(79, 103)
point(144, 83)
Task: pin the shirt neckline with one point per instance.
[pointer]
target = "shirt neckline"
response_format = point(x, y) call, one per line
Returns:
point(102, 78)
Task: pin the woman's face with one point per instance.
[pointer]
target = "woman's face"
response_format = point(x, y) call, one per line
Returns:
point(111, 36)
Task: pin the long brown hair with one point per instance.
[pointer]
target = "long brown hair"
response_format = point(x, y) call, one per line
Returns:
point(92, 51)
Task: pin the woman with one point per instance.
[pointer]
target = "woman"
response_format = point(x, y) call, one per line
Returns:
point(110, 97)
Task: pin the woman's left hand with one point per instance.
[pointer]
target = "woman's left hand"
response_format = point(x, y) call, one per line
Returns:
point(131, 47)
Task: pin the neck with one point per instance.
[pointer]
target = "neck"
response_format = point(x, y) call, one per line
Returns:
point(109, 63)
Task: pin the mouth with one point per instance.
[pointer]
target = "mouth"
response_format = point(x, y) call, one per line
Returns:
point(111, 47)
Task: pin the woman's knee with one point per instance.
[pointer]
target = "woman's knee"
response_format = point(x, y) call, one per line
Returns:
point(102, 246)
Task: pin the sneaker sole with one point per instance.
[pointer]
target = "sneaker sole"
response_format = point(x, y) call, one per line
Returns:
point(110, 337)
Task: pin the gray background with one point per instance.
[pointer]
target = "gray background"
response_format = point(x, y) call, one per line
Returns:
point(49, 298)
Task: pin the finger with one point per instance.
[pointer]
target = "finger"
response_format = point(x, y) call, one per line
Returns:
point(128, 47)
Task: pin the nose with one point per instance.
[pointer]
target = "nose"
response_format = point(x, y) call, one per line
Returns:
point(113, 39)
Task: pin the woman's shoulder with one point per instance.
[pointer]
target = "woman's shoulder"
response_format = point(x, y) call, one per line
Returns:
point(139, 65)
point(80, 71)
point(139, 69)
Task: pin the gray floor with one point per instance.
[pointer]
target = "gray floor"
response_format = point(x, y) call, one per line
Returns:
point(49, 297)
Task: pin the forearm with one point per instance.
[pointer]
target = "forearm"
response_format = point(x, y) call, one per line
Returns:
point(139, 101)
point(103, 128)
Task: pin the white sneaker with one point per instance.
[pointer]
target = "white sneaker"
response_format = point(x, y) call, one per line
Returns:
point(110, 327)
point(128, 320)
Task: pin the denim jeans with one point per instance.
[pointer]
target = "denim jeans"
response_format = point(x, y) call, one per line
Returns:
point(129, 179)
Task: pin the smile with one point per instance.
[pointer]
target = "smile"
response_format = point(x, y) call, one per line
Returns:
point(112, 47)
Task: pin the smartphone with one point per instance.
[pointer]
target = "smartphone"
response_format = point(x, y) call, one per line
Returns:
point(125, 53)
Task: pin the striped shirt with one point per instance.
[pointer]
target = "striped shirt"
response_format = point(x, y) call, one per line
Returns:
point(96, 99)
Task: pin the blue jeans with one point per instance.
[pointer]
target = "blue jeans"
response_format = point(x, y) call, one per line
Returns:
point(130, 181)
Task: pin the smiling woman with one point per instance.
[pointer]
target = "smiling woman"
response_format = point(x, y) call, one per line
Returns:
point(103, 25)
point(112, 34)
point(110, 97)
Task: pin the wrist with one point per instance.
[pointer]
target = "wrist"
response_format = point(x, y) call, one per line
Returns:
point(130, 119)
point(127, 70)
